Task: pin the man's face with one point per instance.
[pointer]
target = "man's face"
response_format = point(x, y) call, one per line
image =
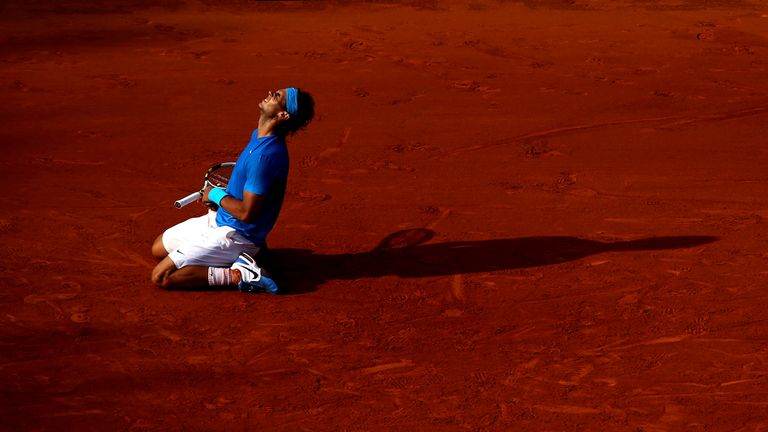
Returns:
point(274, 103)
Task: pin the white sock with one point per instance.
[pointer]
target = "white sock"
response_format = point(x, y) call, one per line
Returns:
point(220, 276)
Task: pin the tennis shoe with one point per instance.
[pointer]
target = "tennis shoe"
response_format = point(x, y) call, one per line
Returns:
point(251, 278)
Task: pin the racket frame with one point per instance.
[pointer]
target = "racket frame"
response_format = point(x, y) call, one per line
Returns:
point(189, 199)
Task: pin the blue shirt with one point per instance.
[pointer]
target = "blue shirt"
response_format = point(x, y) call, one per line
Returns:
point(261, 169)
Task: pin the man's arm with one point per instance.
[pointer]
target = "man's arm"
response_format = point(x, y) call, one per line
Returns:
point(246, 210)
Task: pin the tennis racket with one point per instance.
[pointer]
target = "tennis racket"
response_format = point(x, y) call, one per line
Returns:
point(216, 176)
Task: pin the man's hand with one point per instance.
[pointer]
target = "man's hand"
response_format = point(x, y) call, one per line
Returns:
point(206, 202)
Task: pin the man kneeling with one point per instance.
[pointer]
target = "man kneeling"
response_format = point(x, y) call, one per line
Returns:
point(217, 249)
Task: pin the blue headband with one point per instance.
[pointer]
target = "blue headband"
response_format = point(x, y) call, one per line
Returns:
point(292, 100)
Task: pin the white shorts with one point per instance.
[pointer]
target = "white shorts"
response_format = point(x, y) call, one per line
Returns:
point(200, 242)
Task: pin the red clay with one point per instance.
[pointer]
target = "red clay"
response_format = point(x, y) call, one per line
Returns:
point(536, 215)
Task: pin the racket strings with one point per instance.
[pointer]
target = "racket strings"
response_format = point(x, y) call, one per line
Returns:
point(220, 178)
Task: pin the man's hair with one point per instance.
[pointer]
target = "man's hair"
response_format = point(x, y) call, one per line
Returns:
point(298, 121)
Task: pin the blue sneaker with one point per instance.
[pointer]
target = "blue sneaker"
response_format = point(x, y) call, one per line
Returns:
point(251, 279)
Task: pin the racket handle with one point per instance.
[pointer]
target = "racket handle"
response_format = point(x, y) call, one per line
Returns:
point(189, 199)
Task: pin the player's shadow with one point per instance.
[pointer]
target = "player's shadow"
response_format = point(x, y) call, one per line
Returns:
point(407, 254)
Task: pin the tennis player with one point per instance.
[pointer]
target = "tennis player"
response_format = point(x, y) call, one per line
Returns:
point(218, 248)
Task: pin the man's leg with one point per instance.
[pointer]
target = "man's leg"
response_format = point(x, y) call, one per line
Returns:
point(167, 276)
point(173, 237)
point(204, 255)
point(244, 274)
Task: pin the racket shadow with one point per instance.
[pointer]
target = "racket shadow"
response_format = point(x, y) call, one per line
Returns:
point(408, 255)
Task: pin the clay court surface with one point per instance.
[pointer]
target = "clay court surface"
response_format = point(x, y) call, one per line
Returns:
point(506, 216)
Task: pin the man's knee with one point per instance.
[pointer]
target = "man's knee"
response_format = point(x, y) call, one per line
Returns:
point(161, 274)
point(160, 279)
